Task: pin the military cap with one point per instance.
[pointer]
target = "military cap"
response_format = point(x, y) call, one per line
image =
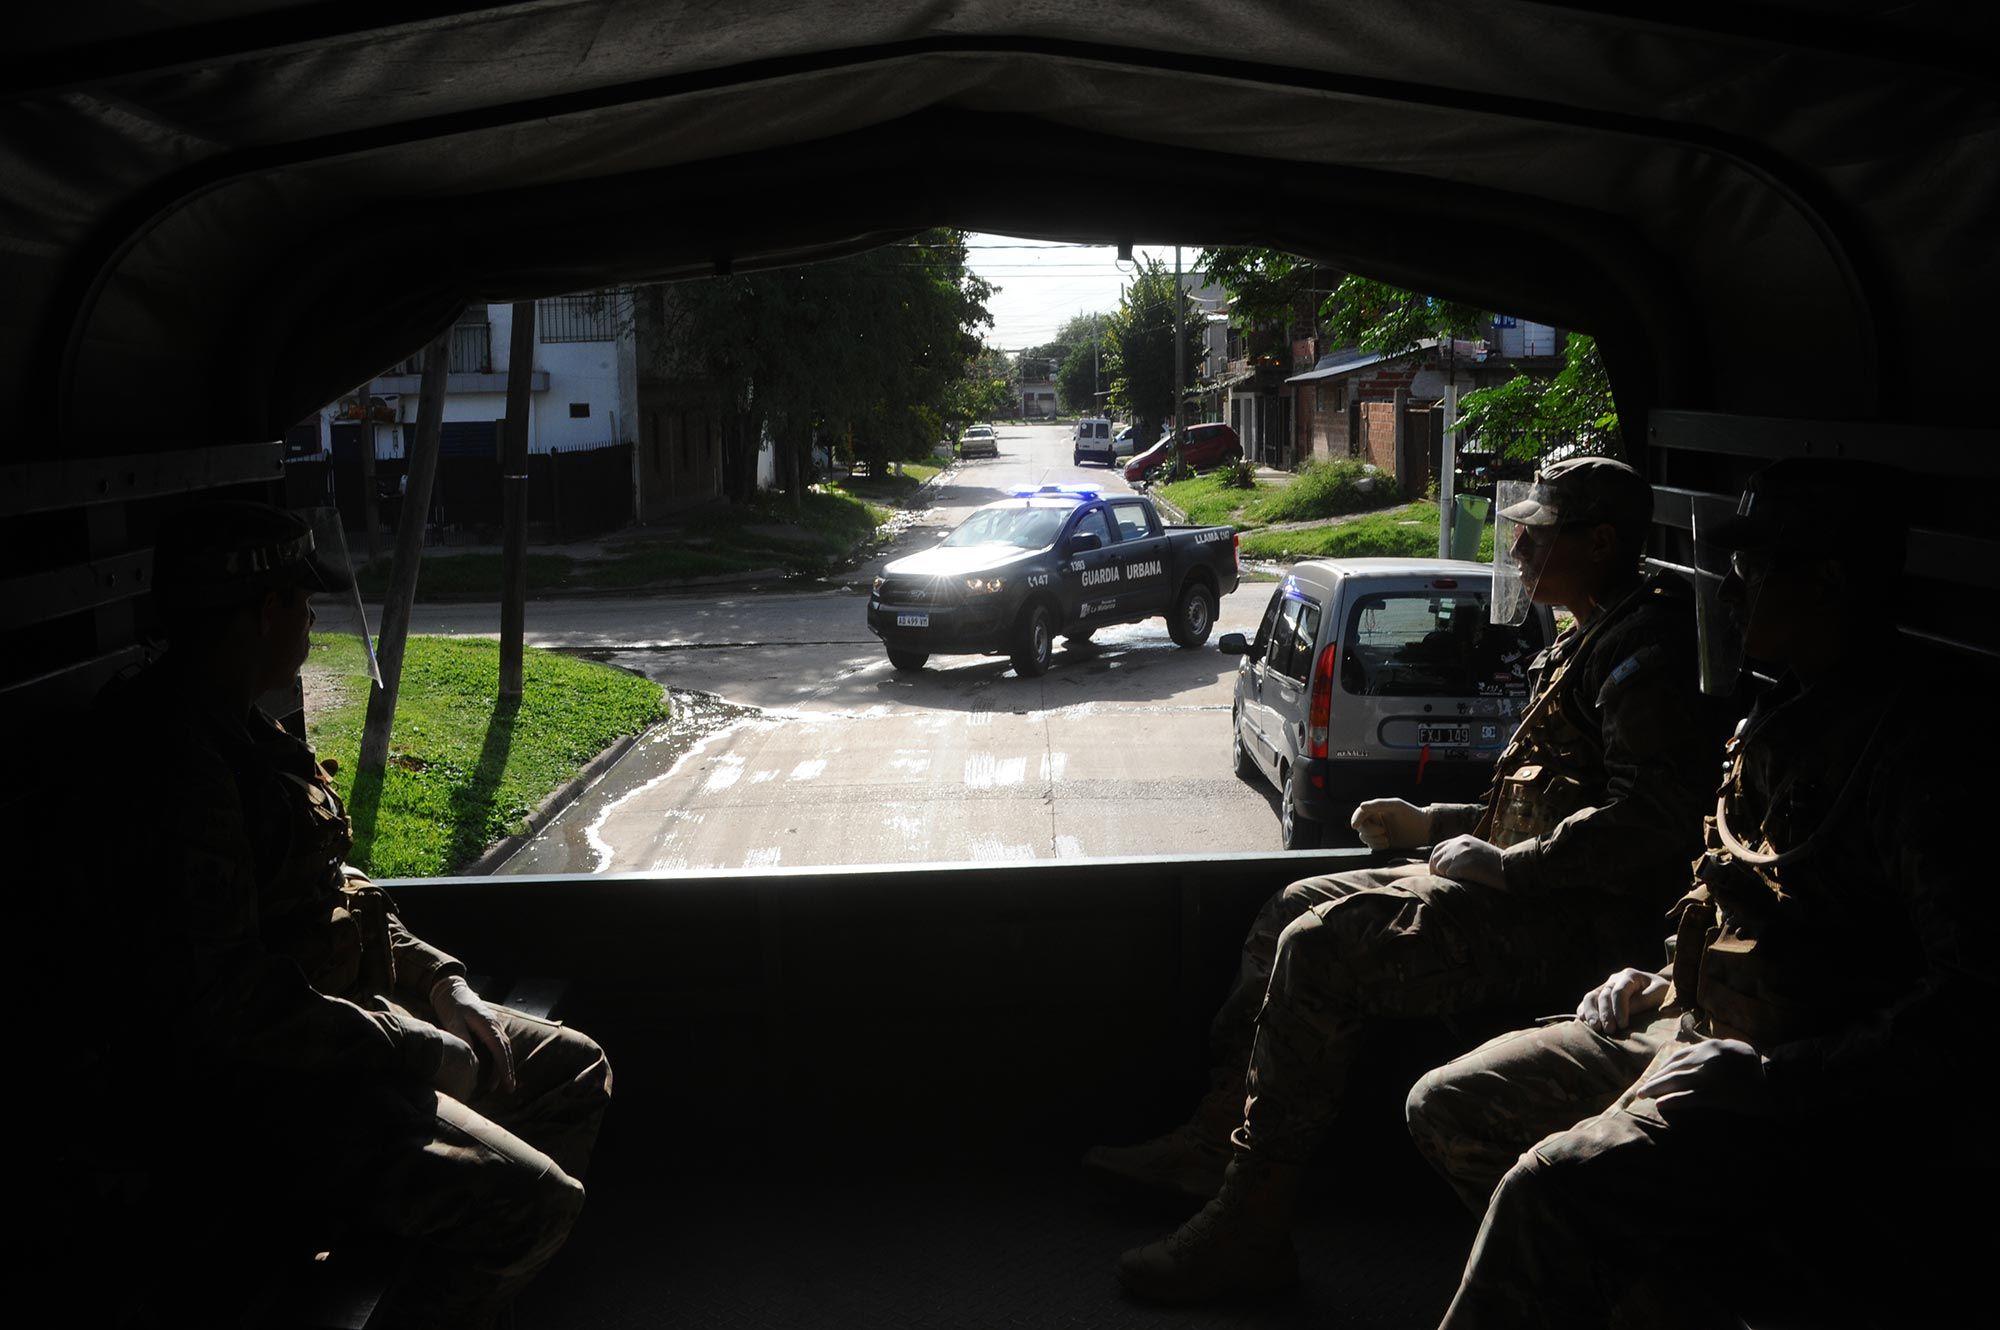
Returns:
point(1587, 491)
point(1813, 505)
point(220, 552)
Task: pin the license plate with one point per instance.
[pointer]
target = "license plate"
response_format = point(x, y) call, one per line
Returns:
point(913, 621)
point(1441, 734)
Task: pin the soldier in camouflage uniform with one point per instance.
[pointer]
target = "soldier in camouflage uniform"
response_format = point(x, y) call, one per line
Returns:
point(323, 1060)
point(1594, 813)
point(1829, 971)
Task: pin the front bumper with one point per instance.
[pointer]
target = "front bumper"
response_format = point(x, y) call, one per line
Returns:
point(975, 626)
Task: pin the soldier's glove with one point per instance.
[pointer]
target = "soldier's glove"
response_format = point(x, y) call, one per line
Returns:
point(461, 1012)
point(1392, 824)
point(457, 1071)
point(1621, 1001)
point(1469, 859)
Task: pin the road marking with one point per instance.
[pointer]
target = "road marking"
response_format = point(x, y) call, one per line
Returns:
point(993, 851)
point(767, 858)
point(727, 771)
point(1069, 847)
point(809, 769)
point(984, 771)
point(913, 761)
point(1053, 765)
point(759, 777)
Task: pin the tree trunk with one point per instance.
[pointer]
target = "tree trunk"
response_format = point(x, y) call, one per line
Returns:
point(423, 453)
point(514, 500)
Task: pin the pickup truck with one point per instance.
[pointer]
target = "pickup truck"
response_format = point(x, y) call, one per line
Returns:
point(1049, 562)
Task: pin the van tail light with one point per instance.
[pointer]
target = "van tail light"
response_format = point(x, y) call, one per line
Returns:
point(1319, 703)
point(1236, 548)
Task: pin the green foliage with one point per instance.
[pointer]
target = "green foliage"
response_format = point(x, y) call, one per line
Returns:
point(1269, 285)
point(1321, 489)
point(1378, 317)
point(1524, 417)
point(1241, 475)
point(1140, 339)
point(1406, 532)
point(465, 770)
point(1325, 489)
point(866, 349)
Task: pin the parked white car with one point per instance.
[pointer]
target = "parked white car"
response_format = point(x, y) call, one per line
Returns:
point(1377, 678)
point(979, 441)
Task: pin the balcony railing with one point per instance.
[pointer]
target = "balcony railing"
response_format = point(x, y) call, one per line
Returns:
point(592, 318)
point(471, 352)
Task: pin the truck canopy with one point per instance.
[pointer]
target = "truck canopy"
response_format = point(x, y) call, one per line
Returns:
point(856, 1096)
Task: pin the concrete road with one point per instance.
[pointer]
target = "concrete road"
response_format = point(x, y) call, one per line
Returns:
point(795, 743)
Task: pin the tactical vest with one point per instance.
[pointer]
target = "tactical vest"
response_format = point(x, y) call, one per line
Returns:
point(331, 921)
point(1554, 764)
point(1748, 957)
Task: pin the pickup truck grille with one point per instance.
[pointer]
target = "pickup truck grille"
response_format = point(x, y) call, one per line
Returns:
point(914, 591)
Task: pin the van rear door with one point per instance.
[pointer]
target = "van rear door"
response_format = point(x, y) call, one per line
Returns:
point(1424, 676)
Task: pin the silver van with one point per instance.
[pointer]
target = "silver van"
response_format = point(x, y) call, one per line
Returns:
point(1092, 442)
point(1376, 678)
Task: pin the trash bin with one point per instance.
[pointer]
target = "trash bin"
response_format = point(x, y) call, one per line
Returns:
point(1468, 524)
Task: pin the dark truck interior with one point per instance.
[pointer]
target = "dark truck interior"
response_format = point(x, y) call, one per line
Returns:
point(857, 1097)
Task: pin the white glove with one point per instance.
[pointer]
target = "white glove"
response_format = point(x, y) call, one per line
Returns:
point(1392, 824)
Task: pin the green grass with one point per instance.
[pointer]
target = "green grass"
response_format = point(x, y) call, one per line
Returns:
point(703, 542)
point(1409, 532)
point(463, 770)
point(1321, 489)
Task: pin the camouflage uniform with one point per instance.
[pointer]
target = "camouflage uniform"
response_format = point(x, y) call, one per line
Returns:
point(304, 1042)
point(1856, 970)
point(1595, 805)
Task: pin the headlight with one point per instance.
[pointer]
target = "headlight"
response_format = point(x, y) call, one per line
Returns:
point(880, 582)
point(982, 586)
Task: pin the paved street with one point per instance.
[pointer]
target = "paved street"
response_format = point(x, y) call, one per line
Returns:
point(796, 744)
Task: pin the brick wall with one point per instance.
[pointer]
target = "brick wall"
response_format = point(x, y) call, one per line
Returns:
point(1378, 434)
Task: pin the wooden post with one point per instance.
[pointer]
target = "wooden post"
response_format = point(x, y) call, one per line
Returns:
point(371, 502)
point(514, 499)
point(423, 453)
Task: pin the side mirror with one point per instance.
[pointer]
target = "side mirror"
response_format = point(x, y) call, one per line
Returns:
point(1233, 644)
point(1084, 541)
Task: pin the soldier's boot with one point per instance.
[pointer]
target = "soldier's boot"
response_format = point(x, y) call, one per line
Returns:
point(1240, 1242)
point(1189, 1160)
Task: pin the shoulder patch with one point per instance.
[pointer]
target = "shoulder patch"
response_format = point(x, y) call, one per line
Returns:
point(1625, 669)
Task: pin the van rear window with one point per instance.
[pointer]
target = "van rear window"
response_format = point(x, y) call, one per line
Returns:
point(1434, 644)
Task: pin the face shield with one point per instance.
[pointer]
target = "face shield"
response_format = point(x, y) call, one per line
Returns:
point(1521, 547)
point(343, 653)
point(1720, 625)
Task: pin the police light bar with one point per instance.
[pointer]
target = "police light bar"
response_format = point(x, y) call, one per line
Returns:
point(1067, 491)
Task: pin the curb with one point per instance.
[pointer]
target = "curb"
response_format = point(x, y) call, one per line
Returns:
point(551, 806)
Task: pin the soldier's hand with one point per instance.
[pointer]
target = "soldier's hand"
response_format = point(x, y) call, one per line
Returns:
point(1613, 1006)
point(460, 1011)
point(1469, 859)
point(458, 1069)
point(1392, 824)
point(1717, 1074)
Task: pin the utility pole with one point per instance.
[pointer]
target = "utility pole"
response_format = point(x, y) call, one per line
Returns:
point(514, 500)
point(1180, 359)
point(371, 502)
point(1448, 470)
point(423, 454)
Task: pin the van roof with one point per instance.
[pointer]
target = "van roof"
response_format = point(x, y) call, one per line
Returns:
point(1334, 570)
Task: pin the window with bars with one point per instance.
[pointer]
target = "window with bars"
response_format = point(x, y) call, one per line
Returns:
point(589, 318)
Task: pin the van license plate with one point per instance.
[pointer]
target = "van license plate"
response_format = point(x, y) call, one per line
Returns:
point(1441, 734)
point(913, 621)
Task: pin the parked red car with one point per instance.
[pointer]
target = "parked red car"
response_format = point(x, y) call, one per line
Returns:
point(1207, 446)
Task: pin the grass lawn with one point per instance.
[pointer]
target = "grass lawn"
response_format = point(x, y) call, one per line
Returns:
point(702, 542)
point(1410, 532)
point(1321, 489)
point(464, 771)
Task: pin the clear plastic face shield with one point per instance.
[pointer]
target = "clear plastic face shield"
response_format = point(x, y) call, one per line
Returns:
point(1521, 548)
point(342, 649)
point(1719, 625)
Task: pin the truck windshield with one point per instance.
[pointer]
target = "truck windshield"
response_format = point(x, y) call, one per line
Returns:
point(1024, 528)
point(1432, 644)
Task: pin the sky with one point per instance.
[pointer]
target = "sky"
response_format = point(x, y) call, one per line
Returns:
point(1038, 283)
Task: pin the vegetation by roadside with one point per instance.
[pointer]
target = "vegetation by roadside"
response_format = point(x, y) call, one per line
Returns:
point(1410, 531)
point(465, 771)
point(1321, 489)
point(716, 540)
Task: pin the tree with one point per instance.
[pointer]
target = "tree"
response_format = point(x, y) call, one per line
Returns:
point(1140, 338)
point(1271, 286)
point(1524, 417)
point(866, 350)
point(1078, 377)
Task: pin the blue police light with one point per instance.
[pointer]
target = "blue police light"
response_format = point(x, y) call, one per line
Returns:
point(1066, 491)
